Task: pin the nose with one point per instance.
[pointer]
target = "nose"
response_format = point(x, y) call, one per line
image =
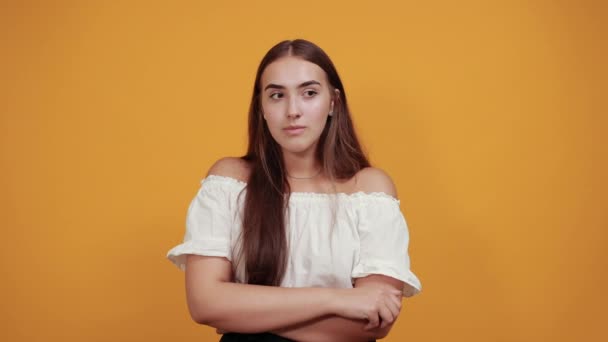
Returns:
point(293, 111)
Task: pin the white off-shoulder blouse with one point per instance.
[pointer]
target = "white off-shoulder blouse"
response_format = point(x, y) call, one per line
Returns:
point(332, 238)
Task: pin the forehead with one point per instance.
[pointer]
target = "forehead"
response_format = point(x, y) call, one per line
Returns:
point(292, 71)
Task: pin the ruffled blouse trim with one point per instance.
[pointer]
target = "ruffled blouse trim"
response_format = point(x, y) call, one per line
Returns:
point(303, 195)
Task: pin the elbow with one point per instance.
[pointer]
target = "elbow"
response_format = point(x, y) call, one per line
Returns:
point(201, 313)
point(203, 307)
point(204, 319)
point(208, 310)
point(200, 319)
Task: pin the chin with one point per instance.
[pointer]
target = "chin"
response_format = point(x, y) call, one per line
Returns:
point(296, 148)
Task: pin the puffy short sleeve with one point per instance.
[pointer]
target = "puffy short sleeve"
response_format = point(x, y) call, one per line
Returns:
point(209, 222)
point(384, 242)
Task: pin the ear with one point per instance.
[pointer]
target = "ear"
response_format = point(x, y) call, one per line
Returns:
point(336, 94)
point(335, 98)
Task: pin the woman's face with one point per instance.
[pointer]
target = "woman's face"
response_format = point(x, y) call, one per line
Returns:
point(295, 92)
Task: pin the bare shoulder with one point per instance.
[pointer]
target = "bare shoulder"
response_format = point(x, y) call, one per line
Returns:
point(232, 167)
point(373, 179)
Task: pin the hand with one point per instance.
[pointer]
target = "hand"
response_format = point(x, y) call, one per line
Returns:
point(380, 305)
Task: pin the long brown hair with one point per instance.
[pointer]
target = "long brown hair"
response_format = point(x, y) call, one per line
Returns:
point(263, 239)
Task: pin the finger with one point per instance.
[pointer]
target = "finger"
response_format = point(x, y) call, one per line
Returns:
point(394, 307)
point(385, 315)
point(374, 321)
point(397, 301)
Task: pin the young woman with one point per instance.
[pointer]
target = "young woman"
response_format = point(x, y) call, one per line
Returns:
point(299, 239)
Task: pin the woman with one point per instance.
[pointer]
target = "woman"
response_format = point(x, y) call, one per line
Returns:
point(300, 239)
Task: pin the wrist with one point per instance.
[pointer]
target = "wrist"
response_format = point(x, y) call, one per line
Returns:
point(333, 301)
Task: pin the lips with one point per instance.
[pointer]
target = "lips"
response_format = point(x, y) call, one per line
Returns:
point(294, 130)
point(288, 128)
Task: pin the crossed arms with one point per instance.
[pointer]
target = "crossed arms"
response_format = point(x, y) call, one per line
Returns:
point(363, 313)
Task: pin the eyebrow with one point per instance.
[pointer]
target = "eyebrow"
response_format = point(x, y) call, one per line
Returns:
point(277, 86)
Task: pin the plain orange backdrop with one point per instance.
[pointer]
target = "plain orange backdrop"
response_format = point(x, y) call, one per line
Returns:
point(489, 115)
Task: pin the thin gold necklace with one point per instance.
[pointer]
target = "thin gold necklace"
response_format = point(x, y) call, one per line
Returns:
point(290, 176)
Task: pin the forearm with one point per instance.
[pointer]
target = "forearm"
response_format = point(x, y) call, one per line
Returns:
point(337, 328)
point(245, 308)
point(333, 328)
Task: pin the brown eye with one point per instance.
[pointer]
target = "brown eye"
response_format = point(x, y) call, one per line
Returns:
point(310, 93)
point(272, 96)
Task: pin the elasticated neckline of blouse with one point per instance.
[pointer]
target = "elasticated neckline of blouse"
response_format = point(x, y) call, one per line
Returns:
point(379, 195)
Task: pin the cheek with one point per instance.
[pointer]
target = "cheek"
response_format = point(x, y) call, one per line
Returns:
point(317, 113)
point(316, 108)
point(274, 113)
point(273, 123)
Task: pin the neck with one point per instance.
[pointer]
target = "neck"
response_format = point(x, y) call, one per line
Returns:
point(301, 165)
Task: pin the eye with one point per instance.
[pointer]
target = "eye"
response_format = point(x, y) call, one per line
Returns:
point(272, 96)
point(310, 93)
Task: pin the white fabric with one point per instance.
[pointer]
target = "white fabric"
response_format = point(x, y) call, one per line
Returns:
point(369, 235)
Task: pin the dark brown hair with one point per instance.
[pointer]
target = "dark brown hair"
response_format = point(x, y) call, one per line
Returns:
point(263, 239)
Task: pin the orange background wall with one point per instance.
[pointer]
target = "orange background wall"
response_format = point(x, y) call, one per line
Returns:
point(490, 117)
